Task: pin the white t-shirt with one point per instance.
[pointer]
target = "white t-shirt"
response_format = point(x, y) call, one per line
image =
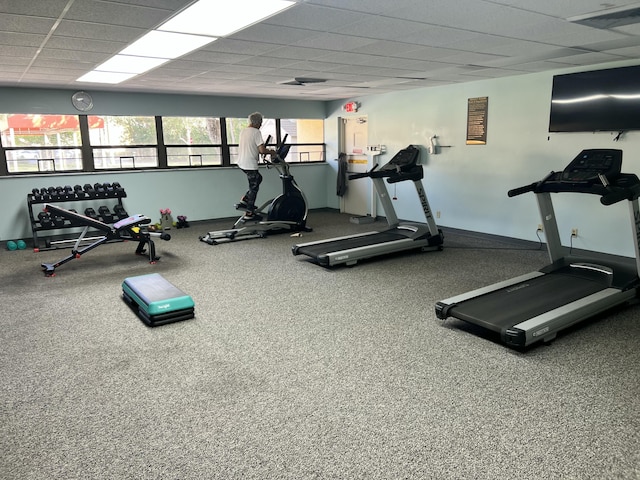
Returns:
point(248, 153)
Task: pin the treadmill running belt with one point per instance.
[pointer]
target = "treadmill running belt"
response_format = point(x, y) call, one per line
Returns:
point(348, 243)
point(516, 303)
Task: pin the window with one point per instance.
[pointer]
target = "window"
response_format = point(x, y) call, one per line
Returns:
point(306, 138)
point(192, 141)
point(236, 125)
point(41, 143)
point(127, 142)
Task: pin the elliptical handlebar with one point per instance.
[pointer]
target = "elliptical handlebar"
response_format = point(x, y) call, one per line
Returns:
point(278, 160)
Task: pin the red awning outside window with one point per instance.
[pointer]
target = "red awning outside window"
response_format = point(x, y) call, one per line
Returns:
point(32, 124)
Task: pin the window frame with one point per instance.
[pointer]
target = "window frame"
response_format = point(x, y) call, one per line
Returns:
point(87, 150)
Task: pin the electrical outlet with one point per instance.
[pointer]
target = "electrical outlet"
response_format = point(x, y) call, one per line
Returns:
point(540, 229)
point(574, 232)
point(438, 214)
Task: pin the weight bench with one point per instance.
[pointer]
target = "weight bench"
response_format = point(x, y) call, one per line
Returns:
point(130, 228)
point(156, 301)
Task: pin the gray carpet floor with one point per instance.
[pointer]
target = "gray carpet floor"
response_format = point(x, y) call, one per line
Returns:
point(294, 371)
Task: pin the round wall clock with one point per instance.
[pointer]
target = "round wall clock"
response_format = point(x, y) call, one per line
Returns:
point(82, 101)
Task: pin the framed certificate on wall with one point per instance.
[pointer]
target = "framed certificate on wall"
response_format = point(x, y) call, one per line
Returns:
point(477, 109)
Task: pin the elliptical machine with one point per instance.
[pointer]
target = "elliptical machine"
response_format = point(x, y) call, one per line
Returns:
point(285, 213)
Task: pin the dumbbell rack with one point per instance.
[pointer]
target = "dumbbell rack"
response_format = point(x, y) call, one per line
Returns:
point(96, 193)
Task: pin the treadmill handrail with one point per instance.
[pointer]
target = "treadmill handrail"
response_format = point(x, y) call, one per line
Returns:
point(533, 187)
point(618, 194)
point(624, 187)
point(353, 176)
point(392, 176)
point(520, 190)
point(417, 173)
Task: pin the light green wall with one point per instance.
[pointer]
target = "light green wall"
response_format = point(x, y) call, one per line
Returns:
point(199, 194)
point(468, 184)
point(56, 101)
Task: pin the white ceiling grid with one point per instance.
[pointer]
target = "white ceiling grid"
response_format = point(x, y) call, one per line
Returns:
point(359, 46)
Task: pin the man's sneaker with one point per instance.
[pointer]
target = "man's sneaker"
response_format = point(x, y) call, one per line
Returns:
point(242, 206)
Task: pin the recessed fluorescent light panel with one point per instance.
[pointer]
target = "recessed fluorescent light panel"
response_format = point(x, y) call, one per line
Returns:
point(196, 26)
point(223, 17)
point(130, 64)
point(105, 77)
point(166, 44)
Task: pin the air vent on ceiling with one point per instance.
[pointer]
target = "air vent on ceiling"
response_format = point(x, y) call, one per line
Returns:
point(303, 81)
point(610, 18)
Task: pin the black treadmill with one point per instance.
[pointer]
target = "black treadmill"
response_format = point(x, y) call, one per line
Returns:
point(398, 236)
point(536, 306)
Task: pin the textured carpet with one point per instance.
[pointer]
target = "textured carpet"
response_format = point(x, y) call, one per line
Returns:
point(294, 371)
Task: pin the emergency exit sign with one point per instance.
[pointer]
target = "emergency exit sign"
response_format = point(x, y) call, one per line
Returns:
point(351, 107)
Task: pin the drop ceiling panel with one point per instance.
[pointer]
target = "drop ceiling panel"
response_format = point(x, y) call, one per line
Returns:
point(374, 7)
point(306, 16)
point(117, 13)
point(562, 9)
point(50, 8)
point(334, 41)
point(272, 34)
point(235, 46)
point(25, 24)
point(99, 31)
point(377, 44)
point(583, 36)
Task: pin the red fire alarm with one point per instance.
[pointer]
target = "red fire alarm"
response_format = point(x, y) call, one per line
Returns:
point(351, 107)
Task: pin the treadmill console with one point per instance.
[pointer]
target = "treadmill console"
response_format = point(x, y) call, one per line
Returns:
point(403, 161)
point(589, 164)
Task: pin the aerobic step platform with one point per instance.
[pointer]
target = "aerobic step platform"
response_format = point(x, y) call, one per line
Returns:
point(156, 300)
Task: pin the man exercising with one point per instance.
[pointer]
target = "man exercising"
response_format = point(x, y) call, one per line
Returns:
point(250, 148)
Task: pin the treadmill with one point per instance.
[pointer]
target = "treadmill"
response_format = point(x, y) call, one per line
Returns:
point(536, 306)
point(398, 236)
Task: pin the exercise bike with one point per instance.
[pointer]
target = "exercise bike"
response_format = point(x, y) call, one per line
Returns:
point(285, 213)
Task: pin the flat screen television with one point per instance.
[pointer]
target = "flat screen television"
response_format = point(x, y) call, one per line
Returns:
point(598, 100)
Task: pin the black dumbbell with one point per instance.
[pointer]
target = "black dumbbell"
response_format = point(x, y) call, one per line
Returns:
point(91, 213)
point(120, 212)
point(100, 190)
point(65, 193)
point(35, 192)
point(88, 190)
point(105, 213)
point(44, 194)
point(78, 192)
point(45, 219)
point(111, 192)
point(58, 221)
